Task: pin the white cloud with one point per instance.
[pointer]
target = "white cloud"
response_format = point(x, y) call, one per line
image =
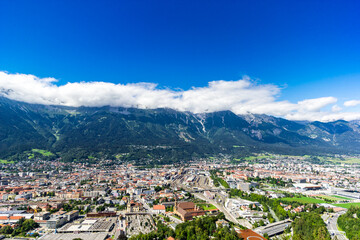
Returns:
point(336, 108)
point(324, 116)
point(241, 97)
point(315, 105)
point(351, 103)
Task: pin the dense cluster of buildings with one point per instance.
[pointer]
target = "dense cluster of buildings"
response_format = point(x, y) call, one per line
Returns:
point(100, 202)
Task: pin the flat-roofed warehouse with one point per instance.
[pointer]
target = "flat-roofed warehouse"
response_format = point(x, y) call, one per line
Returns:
point(89, 225)
point(307, 186)
point(71, 236)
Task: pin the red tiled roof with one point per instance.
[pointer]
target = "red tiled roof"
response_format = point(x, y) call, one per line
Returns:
point(186, 205)
point(159, 207)
point(41, 221)
point(250, 235)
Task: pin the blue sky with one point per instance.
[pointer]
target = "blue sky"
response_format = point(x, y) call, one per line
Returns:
point(311, 49)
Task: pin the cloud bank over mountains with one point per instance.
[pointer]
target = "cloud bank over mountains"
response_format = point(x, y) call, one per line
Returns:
point(242, 96)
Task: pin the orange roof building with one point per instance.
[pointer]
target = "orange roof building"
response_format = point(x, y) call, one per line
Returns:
point(159, 207)
point(187, 210)
point(249, 234)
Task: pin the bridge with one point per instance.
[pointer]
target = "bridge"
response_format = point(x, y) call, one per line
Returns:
point(274, 228)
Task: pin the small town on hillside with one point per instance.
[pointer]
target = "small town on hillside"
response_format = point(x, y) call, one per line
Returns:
point(259, 197)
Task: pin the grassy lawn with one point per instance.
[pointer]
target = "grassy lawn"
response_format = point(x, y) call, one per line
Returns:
point(43, 152)
point(303, 200)
point(348, 160)
point(331, 198)
point(258, 157)
point(351, 160)
point(207, 206)
point(252, 158)
point(347, 205)
point(6, 161)
point(341, 198)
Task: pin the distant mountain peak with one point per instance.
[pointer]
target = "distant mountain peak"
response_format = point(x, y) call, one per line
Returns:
point(108, 129)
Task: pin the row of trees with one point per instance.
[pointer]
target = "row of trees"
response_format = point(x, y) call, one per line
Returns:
point(274, 181)
point(203, 228)
point(275, 205)
point(267, 203)
point(310, 226)
point(217, 180)
point(350, 223)
point(21, 228)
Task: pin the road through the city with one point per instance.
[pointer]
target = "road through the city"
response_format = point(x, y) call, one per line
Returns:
point(332, 226)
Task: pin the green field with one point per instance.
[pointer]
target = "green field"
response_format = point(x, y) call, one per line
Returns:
point(351, 160)
point(347, 205)
point(303, 200)
point(237, 159)
point(347, 160)
point(340, 197)
point(6, 161)
point(43, 152)
point(258, 157)
point(331, 198)
point(206, 206)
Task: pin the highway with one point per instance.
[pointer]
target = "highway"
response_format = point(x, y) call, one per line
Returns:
point(274, 228)
point(331, 224)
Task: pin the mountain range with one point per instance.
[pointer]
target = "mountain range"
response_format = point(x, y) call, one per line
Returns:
point(163, 134)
